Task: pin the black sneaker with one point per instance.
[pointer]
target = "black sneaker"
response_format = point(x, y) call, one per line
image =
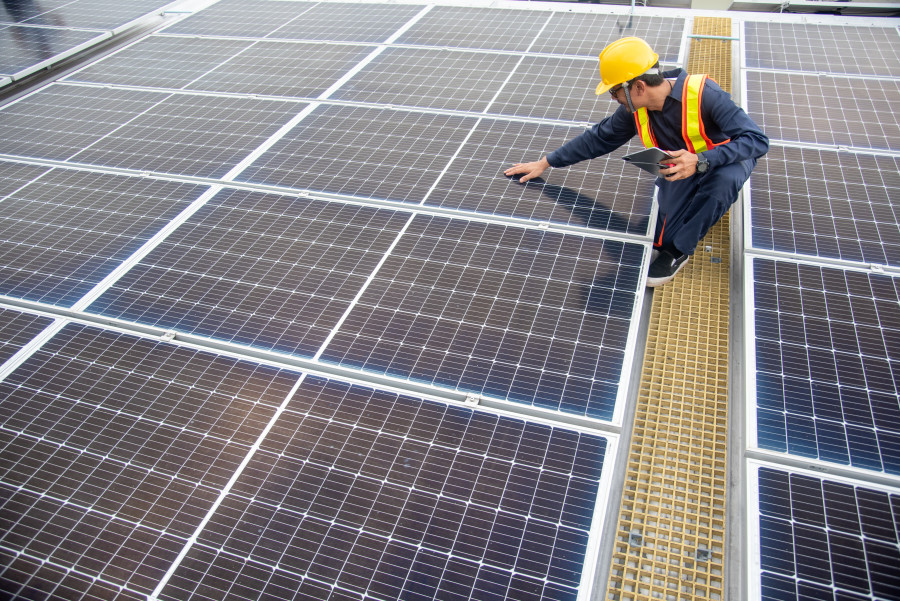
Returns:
point(664, 268)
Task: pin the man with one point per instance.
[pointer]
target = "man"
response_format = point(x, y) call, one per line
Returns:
point(714, 145)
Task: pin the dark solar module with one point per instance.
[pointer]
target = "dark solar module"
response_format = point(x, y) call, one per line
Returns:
point(554, 88)
point(798, 46)
point(368, 152)
point(162, 62)
point(466, 27)
point(67, 231)
point(431, 78)
point(358, 491)
point(827, 204)
point(534, 317)
point(243, 18)
point(348, 22)
point(822, 539)
point(828, 110)
point(260, 269)
point(827, 344)
point(22, 47)
point(588, 34)
point(604, 193)
point(283, 69)
point(191, 135)
point(84, 14)
point(18, 329)
point(115, 448)
point(13, 176)
point(58, 121)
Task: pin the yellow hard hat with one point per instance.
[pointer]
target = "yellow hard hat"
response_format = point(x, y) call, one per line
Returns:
point(623, 60)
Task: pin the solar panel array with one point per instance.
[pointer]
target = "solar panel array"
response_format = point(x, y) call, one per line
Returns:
point(823, 288)
point(35, 34)
point(308, 197)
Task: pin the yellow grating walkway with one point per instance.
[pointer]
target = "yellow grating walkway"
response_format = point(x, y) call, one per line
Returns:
point(671, 533)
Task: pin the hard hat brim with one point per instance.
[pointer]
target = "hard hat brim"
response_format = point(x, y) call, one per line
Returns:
point(603, 88)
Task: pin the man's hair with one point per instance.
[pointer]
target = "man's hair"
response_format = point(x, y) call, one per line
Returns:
point(651, 79)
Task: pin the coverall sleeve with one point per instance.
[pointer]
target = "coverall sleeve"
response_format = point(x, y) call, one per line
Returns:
point(604, 137)
point(747, 139)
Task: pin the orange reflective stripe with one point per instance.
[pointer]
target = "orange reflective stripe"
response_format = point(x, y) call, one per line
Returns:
point(642, 122)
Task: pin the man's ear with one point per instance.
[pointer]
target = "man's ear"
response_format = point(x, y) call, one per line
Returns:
point(638, 87)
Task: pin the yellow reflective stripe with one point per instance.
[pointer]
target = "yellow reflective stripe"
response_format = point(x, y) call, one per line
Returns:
point(692, 131)
point(642, 121)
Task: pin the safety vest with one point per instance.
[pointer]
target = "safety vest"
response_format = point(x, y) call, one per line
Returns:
point(692, 129)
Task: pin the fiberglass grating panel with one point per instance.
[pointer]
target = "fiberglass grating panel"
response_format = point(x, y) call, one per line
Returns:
point(84, 14)
point(827, 204)
point(18, 329)
point(243, 18)
point(59, 121)
point(114, 448)
point(370, 492)
point(799, 47)
point(22, 47)
point(61, 235)
point(588, 34)
point(822, 539)
point(465, 27)
point(270, 271)
point(430, 78)
point(191, 135)
point(534, 317)
point(601, 194)
point(161, 62)
point(283, 69)
point(567, 95)
point(797, 113)
point(827, 359)
point(348, 22)
point(368, 152)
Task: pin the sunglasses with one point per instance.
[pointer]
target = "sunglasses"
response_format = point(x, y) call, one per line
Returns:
point(615, 91)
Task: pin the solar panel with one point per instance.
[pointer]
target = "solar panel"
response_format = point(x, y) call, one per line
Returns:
point(13, 176)
point(62, 234)
point(86, 14)
point(114, 449)
point(825, 539)
point(567, 95)
point(18, 329)
point(360, 491)
point(587, 34)
point(243, 18)
point(827, 204)
point(534, 317)
point(466, 27)
point(271, 271)
point(118, 448)
point(822, 109)
point(348, 22)
point(185, 134)
point(367, 152)
point(600, 194)
point(798, 46)
point(827, 344)
point(430, 78)
point(23, 47)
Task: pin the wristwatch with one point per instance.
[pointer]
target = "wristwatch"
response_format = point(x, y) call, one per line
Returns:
point(702, 164)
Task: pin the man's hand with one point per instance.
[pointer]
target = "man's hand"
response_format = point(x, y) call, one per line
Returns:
point(531, 170)
point(683, 165)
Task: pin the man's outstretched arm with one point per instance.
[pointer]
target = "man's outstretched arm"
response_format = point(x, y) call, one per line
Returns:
point(530, 170)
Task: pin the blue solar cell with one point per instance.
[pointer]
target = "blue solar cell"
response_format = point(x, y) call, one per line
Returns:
point(827, 346)
point(811, 543)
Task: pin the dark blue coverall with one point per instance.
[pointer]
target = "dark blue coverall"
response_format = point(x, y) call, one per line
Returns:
point(688, 208)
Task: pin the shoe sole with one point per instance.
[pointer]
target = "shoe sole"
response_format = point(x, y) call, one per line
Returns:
point(654, 282)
